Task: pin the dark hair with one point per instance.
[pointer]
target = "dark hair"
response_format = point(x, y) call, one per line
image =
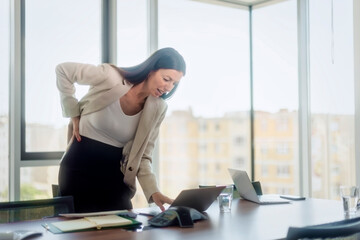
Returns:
point(165, 58)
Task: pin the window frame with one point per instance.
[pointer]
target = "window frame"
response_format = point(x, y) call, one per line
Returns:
point(356, 6)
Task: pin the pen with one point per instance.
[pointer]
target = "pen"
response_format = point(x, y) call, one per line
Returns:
point(147, 214)
point(46, 227)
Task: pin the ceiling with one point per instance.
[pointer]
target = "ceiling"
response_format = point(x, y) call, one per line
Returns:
point(247, 2)
point(242, 3)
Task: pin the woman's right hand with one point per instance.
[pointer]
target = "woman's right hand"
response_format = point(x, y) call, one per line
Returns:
point(76, 122)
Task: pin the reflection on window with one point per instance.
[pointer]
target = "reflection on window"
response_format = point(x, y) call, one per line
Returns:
point(332, 96)
point(276, 96)
point(4, 99)
point(210, 110)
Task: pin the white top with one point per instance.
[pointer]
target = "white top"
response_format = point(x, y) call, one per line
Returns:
point(110, 125)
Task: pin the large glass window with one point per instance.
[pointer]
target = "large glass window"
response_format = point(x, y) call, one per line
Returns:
point(132, 49)
point(332, 96)
point(55, 31)
point(4, 99)
point(207, 127)
point(36, 182)
point(276, 97)
point(131, 32)
point(206, 130)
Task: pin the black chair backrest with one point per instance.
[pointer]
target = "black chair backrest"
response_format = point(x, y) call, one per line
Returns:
point(349, 229)
point(35, 209)
point(55, 190)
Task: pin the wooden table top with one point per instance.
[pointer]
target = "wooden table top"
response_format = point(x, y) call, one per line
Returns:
point(247, 220)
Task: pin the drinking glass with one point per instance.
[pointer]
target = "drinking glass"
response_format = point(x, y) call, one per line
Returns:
point(350, 196)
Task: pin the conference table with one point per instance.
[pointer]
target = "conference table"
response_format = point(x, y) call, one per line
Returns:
point(246, 220)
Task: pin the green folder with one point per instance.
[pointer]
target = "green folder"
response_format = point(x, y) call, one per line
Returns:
point(92, 223)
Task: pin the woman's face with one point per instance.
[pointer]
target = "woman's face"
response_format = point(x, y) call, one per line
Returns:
point(163, 81)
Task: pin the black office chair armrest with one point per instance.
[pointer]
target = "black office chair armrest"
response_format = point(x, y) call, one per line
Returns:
point(335, 229)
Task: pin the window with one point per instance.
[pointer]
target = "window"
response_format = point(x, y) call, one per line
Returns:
point(68, 34)
point(282, 124)
point(211, 38)
point(36, 182)
point(276, 92)
point(4, 99)
point(264, 149)
point(203, 127)
point(131, 32)
point(217, 127)
point(283, 171)
point(332, 96)
point(131, 50)
point(56, 31)
point(282, 148)
point(207, 128)
point(264, 170)
point(239, 162)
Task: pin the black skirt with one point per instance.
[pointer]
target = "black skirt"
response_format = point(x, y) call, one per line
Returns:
point(90, 172)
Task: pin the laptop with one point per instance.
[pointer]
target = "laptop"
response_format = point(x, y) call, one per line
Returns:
point(247, 191)
point(198, 198)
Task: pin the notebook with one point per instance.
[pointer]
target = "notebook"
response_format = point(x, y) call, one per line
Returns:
point(90, 223)
point(246, 190)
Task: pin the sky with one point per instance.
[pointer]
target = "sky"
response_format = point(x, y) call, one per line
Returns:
point(214, 41)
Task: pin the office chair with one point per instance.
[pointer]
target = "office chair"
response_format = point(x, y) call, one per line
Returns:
point(55, 190)
point(35, 209)
point(345, 229)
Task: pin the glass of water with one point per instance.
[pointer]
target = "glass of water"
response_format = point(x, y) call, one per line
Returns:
point(225, 198)
point(350, 196)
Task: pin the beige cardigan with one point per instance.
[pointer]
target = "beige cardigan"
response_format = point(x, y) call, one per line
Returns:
point(107, 86)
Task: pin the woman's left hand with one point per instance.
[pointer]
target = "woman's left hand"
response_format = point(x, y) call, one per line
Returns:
point(161, 199)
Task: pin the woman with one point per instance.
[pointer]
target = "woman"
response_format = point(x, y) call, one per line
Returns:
point(113, 129)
